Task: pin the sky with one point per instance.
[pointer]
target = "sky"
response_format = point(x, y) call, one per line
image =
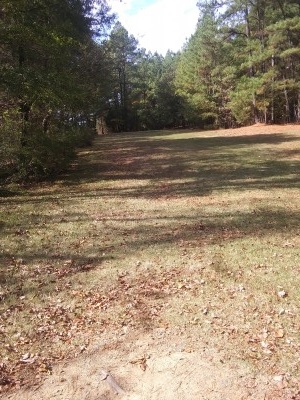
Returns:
point(158, 25)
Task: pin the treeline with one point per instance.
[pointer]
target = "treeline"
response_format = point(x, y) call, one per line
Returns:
point(49, 82)
point(241, 66)
point(67, 63)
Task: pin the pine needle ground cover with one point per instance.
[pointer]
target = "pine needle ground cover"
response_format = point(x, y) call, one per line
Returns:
point(193, 232)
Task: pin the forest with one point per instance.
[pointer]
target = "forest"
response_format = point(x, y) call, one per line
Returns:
point(66, 64)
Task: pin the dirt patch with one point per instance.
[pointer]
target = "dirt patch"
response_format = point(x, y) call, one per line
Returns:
point(162, 365)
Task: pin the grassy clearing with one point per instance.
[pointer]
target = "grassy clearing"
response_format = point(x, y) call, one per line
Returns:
point(193, 230)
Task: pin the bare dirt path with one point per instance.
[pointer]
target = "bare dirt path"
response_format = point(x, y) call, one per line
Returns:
point(179, 304)
point(163, 365)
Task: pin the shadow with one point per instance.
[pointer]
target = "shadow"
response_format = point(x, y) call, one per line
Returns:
point(158, 165)
point(142, 255)
point(217, 227)
point(5, 192)
point(171, 164)
point(161, 164)
point(41, 273)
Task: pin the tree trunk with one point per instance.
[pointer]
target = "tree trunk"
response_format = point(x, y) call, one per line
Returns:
point(24, 110)
point(297, 112)
point(46, 122)
point(287, 107)
point(272, 92)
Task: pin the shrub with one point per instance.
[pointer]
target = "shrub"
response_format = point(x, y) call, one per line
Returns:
point(45, 156)
point(37, 155)
point(10, 135)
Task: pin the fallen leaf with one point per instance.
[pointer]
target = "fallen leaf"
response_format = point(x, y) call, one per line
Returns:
point(45, 368)
point(142, 362)
point(278, 378)
point(25, 356)
point(264, 344)
point(279, 333)
point(282, 293)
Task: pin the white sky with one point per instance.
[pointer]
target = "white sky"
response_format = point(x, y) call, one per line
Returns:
point(158, 25)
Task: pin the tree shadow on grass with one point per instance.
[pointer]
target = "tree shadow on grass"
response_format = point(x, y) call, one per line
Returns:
point(196, 230)
point(187, 166)
point(158, 166)
point(217, 227)
point(177, 164)
point(45, 271)
point(5, 192)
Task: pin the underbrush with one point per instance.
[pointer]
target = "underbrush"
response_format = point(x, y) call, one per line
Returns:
point(36, 155)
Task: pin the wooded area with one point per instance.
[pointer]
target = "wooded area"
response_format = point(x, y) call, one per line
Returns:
point(65, 63)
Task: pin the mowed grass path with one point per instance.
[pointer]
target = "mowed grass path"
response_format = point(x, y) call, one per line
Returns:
point(193, 231)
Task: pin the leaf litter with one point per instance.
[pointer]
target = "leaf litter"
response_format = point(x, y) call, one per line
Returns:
point(199, 295)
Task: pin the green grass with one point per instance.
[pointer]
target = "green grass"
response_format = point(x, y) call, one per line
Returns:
point(198, 230)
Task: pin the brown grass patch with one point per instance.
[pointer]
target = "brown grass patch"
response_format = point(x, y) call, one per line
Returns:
point(196, 231)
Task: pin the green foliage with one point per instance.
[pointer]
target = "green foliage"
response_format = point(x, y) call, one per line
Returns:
point(142, 93)
point(10, 141)
point(265, 38)
point(57, 75)
point(205, 74)
point(47, 74)
point(44, 156)
point(121, 49)
point(242, 103)
point(242, 63)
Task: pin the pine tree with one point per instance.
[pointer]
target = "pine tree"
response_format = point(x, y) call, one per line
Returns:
point(122, 52)
point(204, 76)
